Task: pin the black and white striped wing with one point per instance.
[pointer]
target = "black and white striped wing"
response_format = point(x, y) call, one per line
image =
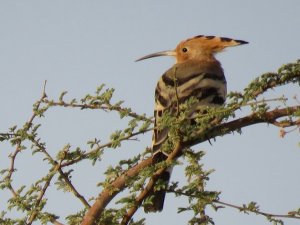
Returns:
point(205, 81)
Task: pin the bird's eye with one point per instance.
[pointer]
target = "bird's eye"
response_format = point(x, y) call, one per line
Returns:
point(184, 50)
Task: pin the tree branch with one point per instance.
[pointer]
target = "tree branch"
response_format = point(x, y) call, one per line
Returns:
point(177, 150)
point(120, 183)
point(58, 167)
point(269, 117)
point(18, 149)
point(109, 193)
point(99, 147)
point(244, 209)
point(105, 107)
point(40, 197)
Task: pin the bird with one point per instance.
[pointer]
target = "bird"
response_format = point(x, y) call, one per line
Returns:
point(196, 73)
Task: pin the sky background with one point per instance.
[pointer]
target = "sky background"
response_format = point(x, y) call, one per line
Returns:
point(78, 45)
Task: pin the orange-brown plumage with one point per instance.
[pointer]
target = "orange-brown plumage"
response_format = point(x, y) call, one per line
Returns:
point(203, 47)
point(200, 48)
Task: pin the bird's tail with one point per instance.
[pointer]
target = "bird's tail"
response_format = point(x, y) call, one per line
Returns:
point(158, 196)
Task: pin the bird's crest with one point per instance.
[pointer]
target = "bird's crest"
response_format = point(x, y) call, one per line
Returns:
point(212, 43)
point(203, 47)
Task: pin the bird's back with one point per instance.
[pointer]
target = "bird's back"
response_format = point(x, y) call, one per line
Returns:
point(203, 80)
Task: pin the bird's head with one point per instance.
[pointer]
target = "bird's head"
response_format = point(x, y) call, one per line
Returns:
point(197, 48)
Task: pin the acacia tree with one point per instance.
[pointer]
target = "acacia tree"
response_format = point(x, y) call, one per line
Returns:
point(138, 175)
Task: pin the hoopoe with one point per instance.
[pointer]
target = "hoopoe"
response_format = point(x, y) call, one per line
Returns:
point(196, 73)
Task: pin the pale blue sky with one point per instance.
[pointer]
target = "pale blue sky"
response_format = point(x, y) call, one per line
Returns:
point(77, 45)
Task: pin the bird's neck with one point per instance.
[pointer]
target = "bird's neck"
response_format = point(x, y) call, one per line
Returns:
point(202, 60)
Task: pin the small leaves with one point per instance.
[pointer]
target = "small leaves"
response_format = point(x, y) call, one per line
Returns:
point(30, 200)
point(145, 126)
point(76, 218)
point(61, 182)
point(252, 207)
point(62, 95)
point(101, 97)
point(116, 138)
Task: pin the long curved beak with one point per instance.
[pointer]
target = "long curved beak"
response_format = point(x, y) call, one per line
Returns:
point(163, 53)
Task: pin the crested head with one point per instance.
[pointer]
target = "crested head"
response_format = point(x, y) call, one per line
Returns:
point(200, 47)
point(203, 47)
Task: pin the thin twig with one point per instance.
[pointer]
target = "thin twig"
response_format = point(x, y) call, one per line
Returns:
point(18, 147)
point(99, 147)
point(258, 211)
point(287, 123)
point(40, 197)
point(58, 167)
point(105, 107)
point(240, 208)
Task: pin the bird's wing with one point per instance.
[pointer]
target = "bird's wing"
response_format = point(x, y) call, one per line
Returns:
point(205, 81)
